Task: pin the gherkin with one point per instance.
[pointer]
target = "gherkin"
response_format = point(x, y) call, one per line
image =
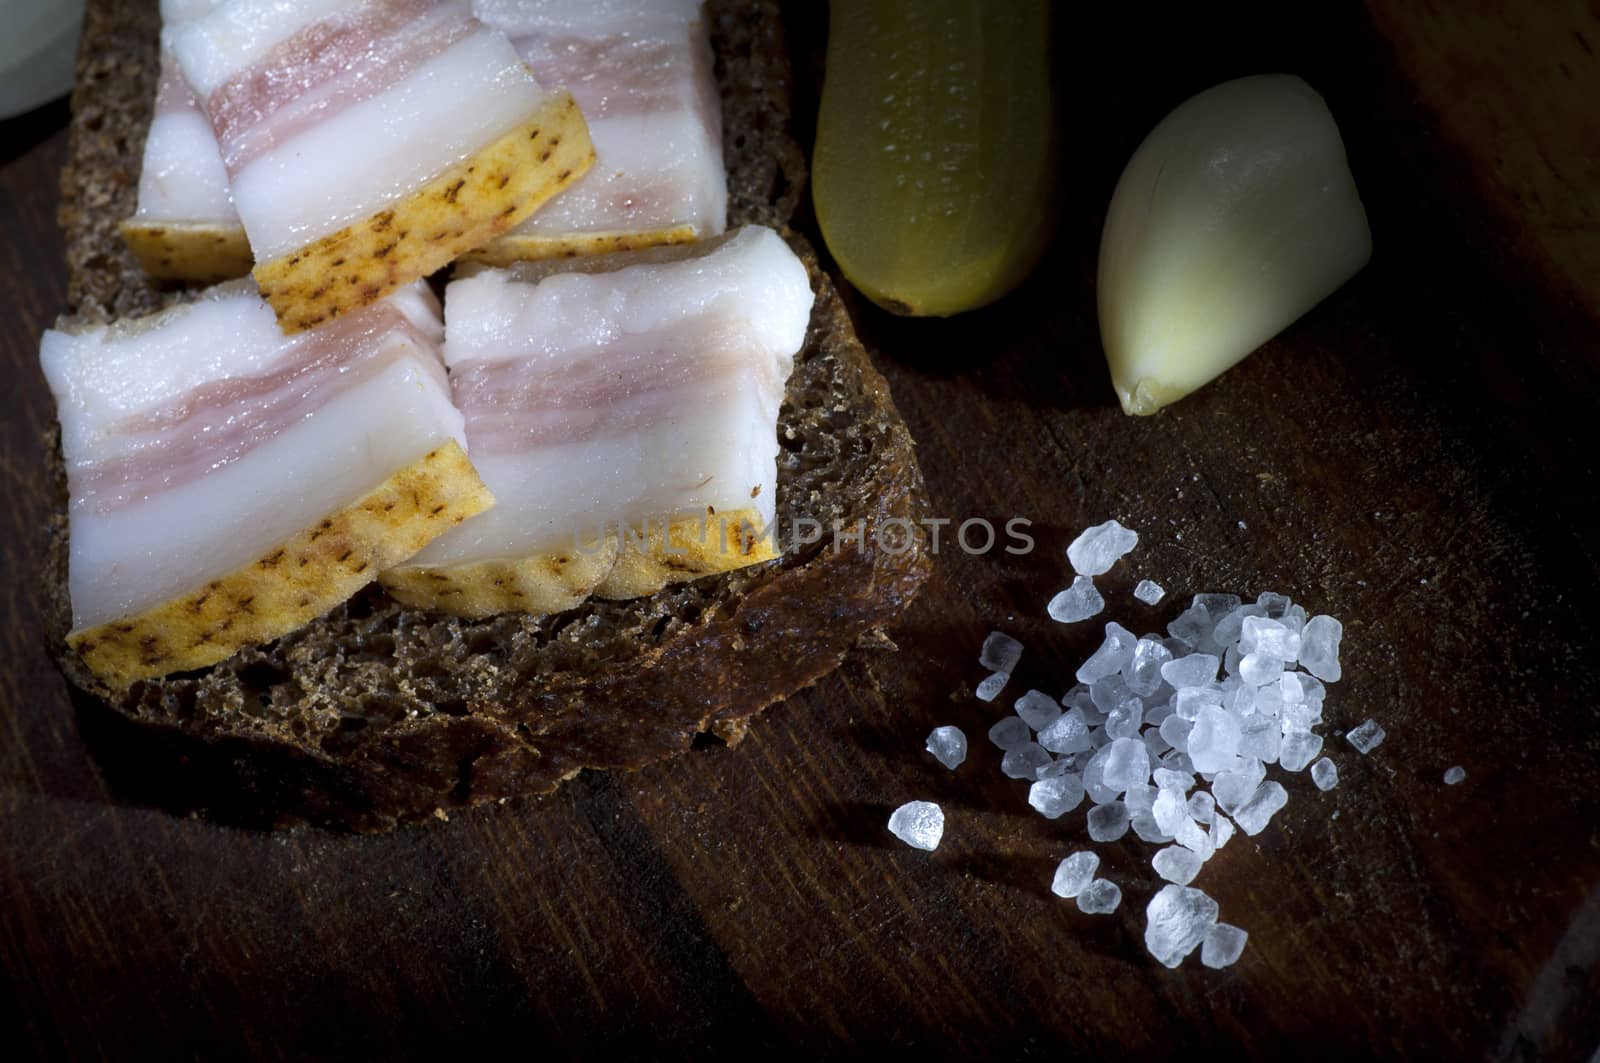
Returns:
point(934, 168)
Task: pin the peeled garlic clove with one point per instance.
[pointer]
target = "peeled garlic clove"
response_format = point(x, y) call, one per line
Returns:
point(1236, 215)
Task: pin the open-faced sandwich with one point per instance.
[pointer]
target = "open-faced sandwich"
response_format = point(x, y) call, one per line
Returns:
point(371, 547)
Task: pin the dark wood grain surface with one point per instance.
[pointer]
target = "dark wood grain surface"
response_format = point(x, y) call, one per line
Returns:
point(1417, 456)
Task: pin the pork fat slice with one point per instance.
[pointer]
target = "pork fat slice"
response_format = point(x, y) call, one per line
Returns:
point(641, 70)
point(185, 227)
point(229, 483)
point(369, 142)
point(625, 420)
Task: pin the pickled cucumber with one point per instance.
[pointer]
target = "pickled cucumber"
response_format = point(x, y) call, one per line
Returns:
point(933, 174)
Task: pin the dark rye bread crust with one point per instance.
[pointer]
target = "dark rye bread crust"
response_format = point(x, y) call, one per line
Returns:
point(375, 714)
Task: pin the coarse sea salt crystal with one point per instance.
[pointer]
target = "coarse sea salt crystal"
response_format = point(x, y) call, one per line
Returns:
point(920, 824)
point(1098, 548)
point(1178, 919)
point(1174, 779)
point(1253, 815)
point(1145, 826)
point(1178, 647)
point(948, 746)
point(1140, 798)
point(1011, 733)
point(1172, 760)
point(1171, 811)
point(1259, 670)
point(1454, 775)
point(1068, 734)
point(1202, 806)
point(1260, 738)
point(1108, 822)
point(1085, 703)
point(1038, 709)
point(1142, 673)
point(1269, 638)
point(1187, 702)
point(1177, 864)
point(1100, 897)
point(1221, 830)
point(1094, 779)
point(1126, 765)
point(1074, 873)
point(1265, 700)
point(1233, 788)
point(1216, 605)
point(1214, 740)
point(1108, 692)
point(1114, 653)
point(1056, 795)
point(1195, 838)
point(1366, 737)
point(1193, 626)
point(1000, 652)
point(1062, 766)
point(1195, 670)
point(1078, 602)
point(1319, 647)
point(1175, 729)
point(1077, 696)
point(1126, 719)
point(991, 686)
point(1273, 604)
point(1230, 627)
point(1024, 763)
point(1149, 591)
point(1301, 717)
point(1325, 773)
point(1298, 750)
point(1223, 945)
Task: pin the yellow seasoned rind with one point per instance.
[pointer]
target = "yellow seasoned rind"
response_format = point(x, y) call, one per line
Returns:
point(629, 564)
point(295, 583)
point(528, 247)
point(197, 251)
point(541, 583)
point(469, 205)
point(700, 546)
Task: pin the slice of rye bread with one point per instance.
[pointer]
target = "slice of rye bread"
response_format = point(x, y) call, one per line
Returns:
point(375, 714)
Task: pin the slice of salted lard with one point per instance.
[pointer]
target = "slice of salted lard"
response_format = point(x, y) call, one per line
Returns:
point(370, 142)
point(229, 483)
point(184, 227)
point(642, 72)
point(625, 418)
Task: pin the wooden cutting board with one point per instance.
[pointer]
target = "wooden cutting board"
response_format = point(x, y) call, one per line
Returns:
point(1415, 456)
